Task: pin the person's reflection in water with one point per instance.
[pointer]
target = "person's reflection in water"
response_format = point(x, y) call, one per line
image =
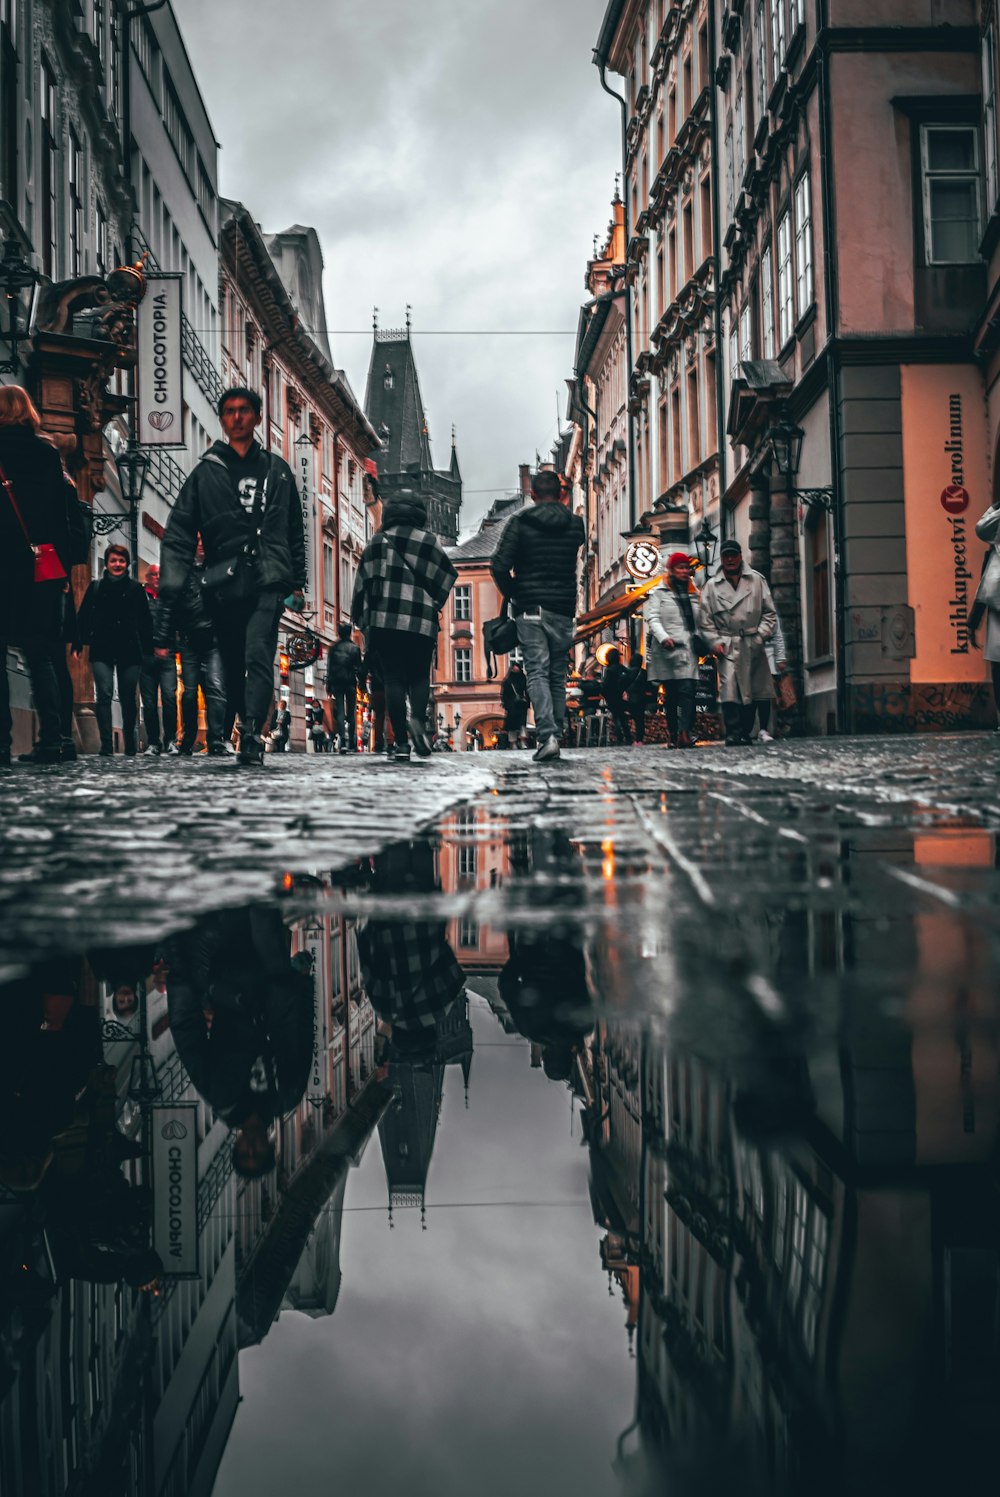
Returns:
point(241, 1013)
point(417, 989)
point(60, 1145)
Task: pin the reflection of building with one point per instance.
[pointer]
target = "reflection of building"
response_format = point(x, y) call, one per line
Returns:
point(408, 1127)
point(396, 411)
point(315, 1284)
point(473, 857)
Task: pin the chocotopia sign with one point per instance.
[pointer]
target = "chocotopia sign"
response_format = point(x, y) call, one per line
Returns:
point(175, 1187)
point(945, 490)
point(159, 405)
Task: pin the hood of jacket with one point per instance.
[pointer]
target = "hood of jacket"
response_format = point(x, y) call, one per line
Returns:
point(551, 517)
point(411, 511)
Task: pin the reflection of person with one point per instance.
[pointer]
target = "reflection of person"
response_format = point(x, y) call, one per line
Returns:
point(115, 624)
point(736, 618)
point(240, 1005)
point(34, 510)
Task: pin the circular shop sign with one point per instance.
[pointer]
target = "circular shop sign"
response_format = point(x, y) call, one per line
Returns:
point(954, 499)
point(642, 560)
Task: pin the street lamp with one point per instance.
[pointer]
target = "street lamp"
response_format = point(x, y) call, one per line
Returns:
point(132, 464)
point(16, 278)
point(785, 442)
point(705, 541)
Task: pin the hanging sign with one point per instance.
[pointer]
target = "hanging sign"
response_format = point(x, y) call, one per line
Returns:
point(642, 560)
point(159, 407)
point(175, 1187)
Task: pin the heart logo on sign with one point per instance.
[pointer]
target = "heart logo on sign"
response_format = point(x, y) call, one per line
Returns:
point(160, 420)
point(173, 1129)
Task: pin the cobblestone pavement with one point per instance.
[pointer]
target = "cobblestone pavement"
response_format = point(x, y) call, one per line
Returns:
point(734, 840)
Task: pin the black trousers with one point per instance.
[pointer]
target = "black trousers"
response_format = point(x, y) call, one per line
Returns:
point(104, 679)
point(38, 656)
point(679, 704)
point(738, 718)
point(616, 711)
point(247, 634)
point(405, 660)
point(995, 673)
point(158, 690)
point(345, 707)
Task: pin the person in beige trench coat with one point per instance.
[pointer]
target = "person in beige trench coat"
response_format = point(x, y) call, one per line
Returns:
point(736, 618)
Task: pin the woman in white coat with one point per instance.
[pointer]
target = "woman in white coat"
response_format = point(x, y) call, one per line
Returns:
point(988, 600)
point(670, 616)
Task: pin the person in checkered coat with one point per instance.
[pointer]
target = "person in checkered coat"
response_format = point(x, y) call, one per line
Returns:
point(403, 582)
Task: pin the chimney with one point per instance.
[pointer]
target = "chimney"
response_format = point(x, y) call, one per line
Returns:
point(524, 478)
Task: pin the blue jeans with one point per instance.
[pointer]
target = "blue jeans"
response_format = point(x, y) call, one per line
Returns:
point(546, 639)
point(104, 672)
point(158, 690)
point(201, 665)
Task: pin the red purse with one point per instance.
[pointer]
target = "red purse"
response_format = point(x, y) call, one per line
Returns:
point(48, 567)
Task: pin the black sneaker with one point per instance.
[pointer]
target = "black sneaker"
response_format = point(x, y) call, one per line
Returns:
point(67, 751)
point(42, 755)
point(107, 753)
point(400, 755)
point(418, 734)
point(216, 751)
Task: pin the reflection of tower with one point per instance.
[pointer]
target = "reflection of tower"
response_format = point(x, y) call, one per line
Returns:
point(315, 1284)
point(408, 1129)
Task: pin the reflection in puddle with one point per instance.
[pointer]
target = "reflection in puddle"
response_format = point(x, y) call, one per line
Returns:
point(609, 1187)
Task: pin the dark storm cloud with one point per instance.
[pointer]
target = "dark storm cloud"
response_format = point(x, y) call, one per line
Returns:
point(457, 157)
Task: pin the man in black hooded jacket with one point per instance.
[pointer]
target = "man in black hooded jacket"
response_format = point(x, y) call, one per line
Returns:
point(535, 567)
point(244, 504)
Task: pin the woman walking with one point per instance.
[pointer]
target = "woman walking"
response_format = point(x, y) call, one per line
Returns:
point(672, 646)
point(116, 624)
point(35, 561)
point(514, 700)
point(403, 582)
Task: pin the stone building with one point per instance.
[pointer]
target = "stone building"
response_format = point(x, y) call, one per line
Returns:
point(853, 162)
point(664, 53)
point(271, 295)
point(396, 411)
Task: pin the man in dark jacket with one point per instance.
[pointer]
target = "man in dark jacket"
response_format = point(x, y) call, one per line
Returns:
point(158, 681)
point(535, 566)
point(343, 665)
point(116, 627)
point(244, 503)
point(614, 684)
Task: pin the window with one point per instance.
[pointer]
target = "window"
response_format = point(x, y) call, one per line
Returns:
point(468, 933)
point(818, 551)
point(786, 316)
point(75, 212)
point(463, 665)
point(468, 860)
point(950, 171)
point(803, 246)
point(328, 597)
point(739, 133)
point(146, 49)
point(100, 41)
point(796, 15)
point(761, 39)
point(463, 602)
point(746, 332)
point(101, 240)
point(734, 350)
point(730, 173)
point(178, 129)
point(706, 217)
point(777, 37)
point(989, 63)
point(206, 194)
point(767, 303)
point(115, 58)
point(693, 419)
point(9, 106)
point(50, 175)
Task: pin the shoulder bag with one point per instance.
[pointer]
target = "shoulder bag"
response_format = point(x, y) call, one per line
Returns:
point(233, 580)
point(499, 638)
point(988, 592)
point(48, 567)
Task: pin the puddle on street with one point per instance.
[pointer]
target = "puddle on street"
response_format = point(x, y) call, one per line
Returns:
point(608, 1146)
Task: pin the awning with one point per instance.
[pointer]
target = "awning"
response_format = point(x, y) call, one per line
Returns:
point(607, 613)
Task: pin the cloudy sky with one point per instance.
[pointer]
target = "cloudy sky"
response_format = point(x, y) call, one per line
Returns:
point(459, 157)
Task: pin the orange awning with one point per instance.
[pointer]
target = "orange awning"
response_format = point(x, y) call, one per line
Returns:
point(616, 608)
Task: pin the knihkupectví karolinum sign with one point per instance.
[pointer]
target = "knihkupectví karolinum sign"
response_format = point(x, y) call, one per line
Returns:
point(159, 405)
point(175, 1187)
point(945, 490)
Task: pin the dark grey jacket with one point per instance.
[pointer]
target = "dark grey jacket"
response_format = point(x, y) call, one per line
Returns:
point(209, 504)
point(535, 562)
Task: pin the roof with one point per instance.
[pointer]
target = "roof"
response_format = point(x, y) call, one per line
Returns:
point(609, 26)
point(394, 405)
point(481, 546)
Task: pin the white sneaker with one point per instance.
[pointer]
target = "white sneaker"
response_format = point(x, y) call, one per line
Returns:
point(547, 750)
point(764, 736)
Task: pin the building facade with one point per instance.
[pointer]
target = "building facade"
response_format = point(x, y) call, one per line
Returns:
point(271, 294)
point(860, 457)
point(395, 409)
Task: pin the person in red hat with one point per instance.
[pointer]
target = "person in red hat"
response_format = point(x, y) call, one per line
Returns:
point(672, 646)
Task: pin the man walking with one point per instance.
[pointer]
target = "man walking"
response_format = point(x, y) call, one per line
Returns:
point(343, 665)
point(158, 681)
point(535, 567)
point(736, 618)
point(244, 503)
point(281, 726)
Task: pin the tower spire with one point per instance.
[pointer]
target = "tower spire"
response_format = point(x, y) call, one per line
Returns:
point(409, 316)
point(374, 319)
